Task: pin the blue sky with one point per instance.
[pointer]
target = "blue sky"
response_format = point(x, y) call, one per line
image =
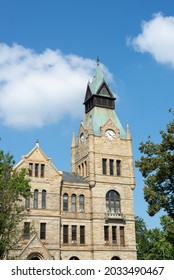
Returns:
point(48, 51)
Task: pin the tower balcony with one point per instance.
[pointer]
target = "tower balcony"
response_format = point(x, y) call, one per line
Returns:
point(117, 215)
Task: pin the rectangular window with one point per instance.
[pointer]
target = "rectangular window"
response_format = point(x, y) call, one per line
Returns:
point(30, 169)
point(122, 240)
point(111, 166)
point(74, 234)
point(65, 234)
point(42, 171)
point(26, 230)
point(114, 235)
point(82, 234)
point(118, 166)
point(104, 165)
point(43, 231)
point(36, 169)
point(106, 233)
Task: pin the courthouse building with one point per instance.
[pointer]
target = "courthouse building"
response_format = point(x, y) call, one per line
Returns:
point(87, 214)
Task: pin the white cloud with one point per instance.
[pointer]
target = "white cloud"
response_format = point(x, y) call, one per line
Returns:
point(38, 89)
point(156, 38)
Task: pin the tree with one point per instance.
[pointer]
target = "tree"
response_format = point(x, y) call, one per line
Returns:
point(157, 167)
point(154, 244)
point(159, 247)
point(168, 227)
point(13, 187)
point(141, 238)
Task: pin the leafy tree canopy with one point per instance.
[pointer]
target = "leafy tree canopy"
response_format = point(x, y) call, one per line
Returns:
point(157, 167)
point(13, 187)
point(155, 244)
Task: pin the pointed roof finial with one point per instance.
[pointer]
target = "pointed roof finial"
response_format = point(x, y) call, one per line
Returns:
point(37, 143)
point(73, 143)
point(128, 135)
point(98, 61)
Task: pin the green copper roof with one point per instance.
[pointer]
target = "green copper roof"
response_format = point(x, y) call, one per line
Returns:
point(97, 80)
point(99, 117)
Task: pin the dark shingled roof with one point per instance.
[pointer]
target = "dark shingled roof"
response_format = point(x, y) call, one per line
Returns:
point(73, 178)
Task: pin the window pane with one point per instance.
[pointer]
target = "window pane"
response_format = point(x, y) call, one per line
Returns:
point(104, 166)
point(43, 199)
point(118, 163)
point(114, 234)
point(113, 201)
point(111, 166)
point(74, 233)
point(106, 233)
point(73, 203)
point(82, 234)
point(42, 170)
point(65, 234)
point(30, 169)
point(35, 198)
point(26, 230)
point(36, 170)
point(82, 200)
point(107, 204)
point(65, 202)
point(43, 231)
point(122, 241)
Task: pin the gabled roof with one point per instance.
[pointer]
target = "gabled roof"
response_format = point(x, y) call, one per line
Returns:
point(41, 157)
point(34, 245)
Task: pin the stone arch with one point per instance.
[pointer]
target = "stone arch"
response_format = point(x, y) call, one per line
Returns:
point(115, 258)
point(74, 258)
point(35, 256)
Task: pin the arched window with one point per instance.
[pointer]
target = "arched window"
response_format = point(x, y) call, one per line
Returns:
point(113, 201)
point(65, 202)
point(35, 256)
point(82, 202)
point(35, 198)
point(74, 258)
point(44, 193)
point(73, 203)
point(115, 258)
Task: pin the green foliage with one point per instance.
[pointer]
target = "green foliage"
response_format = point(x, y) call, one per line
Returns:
point(13, 187)
point(157, 167)
point(141, 237)
point(155, 244)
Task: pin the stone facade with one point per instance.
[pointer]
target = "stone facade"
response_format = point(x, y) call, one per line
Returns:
point(87, 214)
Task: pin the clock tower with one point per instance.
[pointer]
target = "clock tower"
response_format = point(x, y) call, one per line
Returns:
point(102, 154)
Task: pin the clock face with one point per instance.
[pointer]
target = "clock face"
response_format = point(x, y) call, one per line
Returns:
point(110, 134)
point(82, 137)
